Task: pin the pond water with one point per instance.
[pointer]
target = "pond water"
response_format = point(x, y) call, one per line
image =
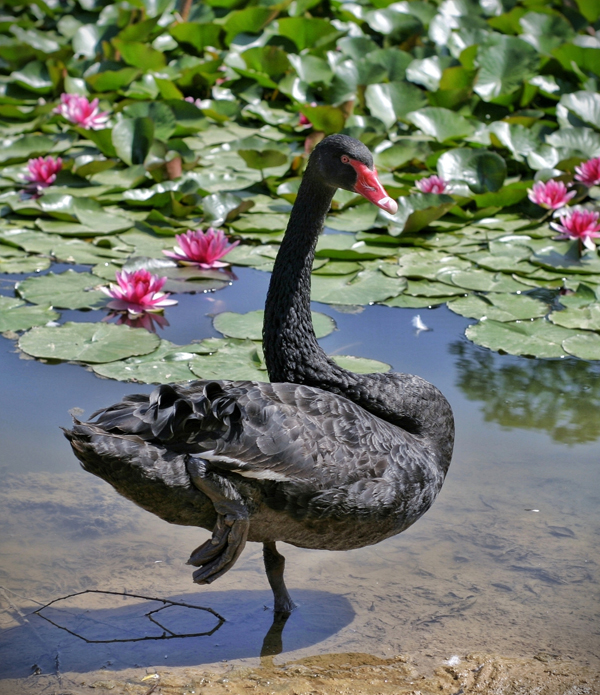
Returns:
point(505, 562)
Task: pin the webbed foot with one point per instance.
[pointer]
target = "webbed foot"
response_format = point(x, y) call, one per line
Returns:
point(217, 555)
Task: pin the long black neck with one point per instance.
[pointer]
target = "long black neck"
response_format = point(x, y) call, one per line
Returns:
point(292, 353)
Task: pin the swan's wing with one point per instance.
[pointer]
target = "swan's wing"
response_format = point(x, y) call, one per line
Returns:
point(291, 432)
point(265, 431)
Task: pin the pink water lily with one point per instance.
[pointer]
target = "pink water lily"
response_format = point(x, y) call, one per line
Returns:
point(551, 195)
point(43, 171)
point(201, 249)
point(80, 111)
point(196, 102)
point(579, 224)
point(138, 292)
point(589, 172)
point(432, 184)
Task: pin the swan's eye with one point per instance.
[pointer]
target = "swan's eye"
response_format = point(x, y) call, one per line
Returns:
point(345, 159)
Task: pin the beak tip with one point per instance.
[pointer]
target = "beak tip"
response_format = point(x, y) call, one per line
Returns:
point(389, 205)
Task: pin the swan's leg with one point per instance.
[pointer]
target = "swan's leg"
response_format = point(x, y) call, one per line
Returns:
point(220, 553)
point(274, 565)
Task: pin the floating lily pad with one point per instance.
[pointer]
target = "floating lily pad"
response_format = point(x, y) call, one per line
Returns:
point(69, 290)
point(231, 359)
point(585, 346)
point(167, 364)
point(88, 342)
point(250, 325)
point(366, 287)
point(587, 317)
point(499, 307)
point(360, 365)
point(483, 281)
point(15, 315)
point(538, 338)
point(407, 301)
point(23, 264)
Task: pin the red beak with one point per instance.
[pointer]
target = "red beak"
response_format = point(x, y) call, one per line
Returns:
point(369, 186)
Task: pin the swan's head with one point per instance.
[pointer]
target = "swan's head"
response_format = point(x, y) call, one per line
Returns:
point(343, 162)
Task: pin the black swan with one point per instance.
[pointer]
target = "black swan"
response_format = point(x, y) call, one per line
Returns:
point(319, 458)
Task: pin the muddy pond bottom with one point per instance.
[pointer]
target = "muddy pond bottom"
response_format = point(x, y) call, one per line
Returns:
point(494, 590)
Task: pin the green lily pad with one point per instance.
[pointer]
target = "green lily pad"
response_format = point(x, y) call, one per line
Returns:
point(587, 317)
point(169, 363)
point(499, 307)
point(505, 63)
point(585, 346)
point(231, 359)
point(88, 342)
point(367, 287)
point(570, 262)
point(442, 124)
point(481, 170)
point(249, 326)
point(392, 101)
point(484, 281)
point(429, 264)
point(345, 247)
point(355, 219)
point(427, 288)
point(360, 365)
point(23, 264)
point(15, 315)
point(538, 338)
point(406, 301)
point(69, 290)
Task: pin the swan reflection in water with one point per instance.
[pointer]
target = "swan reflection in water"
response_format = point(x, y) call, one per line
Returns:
point(319, 458)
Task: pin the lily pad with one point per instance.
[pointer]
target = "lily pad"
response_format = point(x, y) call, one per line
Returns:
point(484, 281)
point(587, 317)
point(23, 264)
point(250, 325)
point(585, 346)
point(367, 287)
point(499, 307)
point(167, 364)
point(231, 359)
point(538, 338)
point(68, 290)
point(360, 365)
point(88, 342)
point(481, 170)
point(15, 315)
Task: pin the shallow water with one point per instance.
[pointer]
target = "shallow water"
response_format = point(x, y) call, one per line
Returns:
point(506, 561)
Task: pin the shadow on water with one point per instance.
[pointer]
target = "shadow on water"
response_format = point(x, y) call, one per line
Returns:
point(561, 397)
point(101, 631)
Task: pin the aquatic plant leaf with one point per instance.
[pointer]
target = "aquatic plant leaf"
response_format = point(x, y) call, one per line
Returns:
point(88, 342)
point(442, 124)
point(587, 317)
point(505, 62)
point(132, 139)
point(484, 281)
point(169, 363)
point(23, 264)
point(360, 365)
point(15, 315)
point(366, 287)
point(480, 169)
point(232, 359)
point(250, 325)
point(499, 307)
point(392, 101)
point(68, 290)
point(586, 346)
point(344, 246)
point(407, 301)
point(585, 105)
point(537, 338)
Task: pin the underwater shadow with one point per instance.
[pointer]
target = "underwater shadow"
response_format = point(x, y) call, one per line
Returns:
point(96, 630)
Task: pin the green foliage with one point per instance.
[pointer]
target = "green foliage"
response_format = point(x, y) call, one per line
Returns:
point(487, 96)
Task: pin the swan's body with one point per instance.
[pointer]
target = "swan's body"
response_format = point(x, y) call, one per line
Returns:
point(319, 458)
